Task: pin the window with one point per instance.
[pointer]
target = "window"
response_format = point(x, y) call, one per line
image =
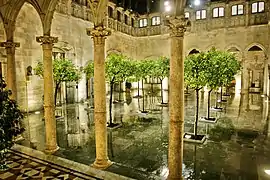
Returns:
point(118, 16)
point(132, 22)
point(186, 14)
point(218, 12)
point(110, 12)
point(155, 20)
point(237, 9)
point(126, 19)
point(142, 22)
point(257, 7)
point(201, 14)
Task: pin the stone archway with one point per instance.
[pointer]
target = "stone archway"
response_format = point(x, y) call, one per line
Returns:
point(193, 51)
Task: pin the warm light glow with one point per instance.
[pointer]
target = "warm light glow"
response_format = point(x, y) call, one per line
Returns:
point(267, 171)
point(197, 2)
point(37, 112)
point(167, 8)
point(166, 3)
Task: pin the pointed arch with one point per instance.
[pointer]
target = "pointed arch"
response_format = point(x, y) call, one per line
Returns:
point(193, 51)
point(256, 47)
point(233, 48)
point(49, 9)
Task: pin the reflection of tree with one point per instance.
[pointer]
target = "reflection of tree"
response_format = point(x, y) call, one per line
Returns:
point(223, 130)
point(204, 162)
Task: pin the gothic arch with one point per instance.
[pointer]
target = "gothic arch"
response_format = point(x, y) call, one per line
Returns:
point(233, 48)
point(116, 51)
point(256, 46)
point(193, 51)
point(152, 57)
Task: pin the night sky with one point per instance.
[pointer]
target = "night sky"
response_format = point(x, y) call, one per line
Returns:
point(146, 6)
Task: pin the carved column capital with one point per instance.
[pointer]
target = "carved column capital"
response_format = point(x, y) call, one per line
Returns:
point(98, 34)
point(46, 39)
point(10, 46)
point(177, 25)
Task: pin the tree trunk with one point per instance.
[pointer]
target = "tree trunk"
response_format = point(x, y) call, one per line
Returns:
point(110, 105)
point(138, 89)
point(55, 92)
point(120, 87)
point(221, 94)
point(162, 102)
point(208, 103)
point(143, 95)
point(196, 112)
point(216, 99)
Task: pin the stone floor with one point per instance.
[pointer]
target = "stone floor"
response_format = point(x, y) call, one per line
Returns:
point(237, 146)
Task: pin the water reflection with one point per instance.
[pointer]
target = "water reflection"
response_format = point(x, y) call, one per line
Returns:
point(237, 145)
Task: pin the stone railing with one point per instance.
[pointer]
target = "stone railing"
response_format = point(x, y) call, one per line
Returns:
point(208, 24)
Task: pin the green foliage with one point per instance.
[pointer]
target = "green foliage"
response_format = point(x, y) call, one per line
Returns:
point(118, 68)
point(63, 71)
point(89, 69)
point(222, 67)
point(10, 117)
point(161, 68)
point(195, 70)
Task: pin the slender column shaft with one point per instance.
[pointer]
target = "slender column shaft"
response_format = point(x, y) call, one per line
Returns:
point(176, 99)
point(11, 68)
point(50, 123)
point(99, 35)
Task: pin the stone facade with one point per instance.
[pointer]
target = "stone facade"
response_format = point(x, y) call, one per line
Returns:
point(246, 35)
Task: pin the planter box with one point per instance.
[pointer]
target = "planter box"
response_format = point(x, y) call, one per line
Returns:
point(208, 120)
point(216, 108)
point(189, 137)
point(114, 126)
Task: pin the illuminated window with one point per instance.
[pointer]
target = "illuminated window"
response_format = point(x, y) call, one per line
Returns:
point(218, 12)
point(155, 20)
point(143, 22)
point(257, 7)
point(237, 9)
point(201, 14)
point(186, 14)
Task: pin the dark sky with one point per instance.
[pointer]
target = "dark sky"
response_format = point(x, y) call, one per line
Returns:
point(141, 6)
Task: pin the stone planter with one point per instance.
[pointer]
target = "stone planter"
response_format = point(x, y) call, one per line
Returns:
point(191, 138)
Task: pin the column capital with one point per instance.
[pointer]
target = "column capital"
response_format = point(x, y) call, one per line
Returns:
point(47, 39)
point(177, 25)
point(9, 44)
point(98, 33)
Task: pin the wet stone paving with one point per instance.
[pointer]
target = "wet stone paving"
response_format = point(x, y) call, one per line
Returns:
point(237, 146)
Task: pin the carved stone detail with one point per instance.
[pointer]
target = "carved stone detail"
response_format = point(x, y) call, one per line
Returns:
point(9, 44)
point(177, 25)
point(98, 34)
point(47, 39)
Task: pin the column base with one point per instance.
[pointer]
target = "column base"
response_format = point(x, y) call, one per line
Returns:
point(175, 178)
point(101, 164)
point(51, 150)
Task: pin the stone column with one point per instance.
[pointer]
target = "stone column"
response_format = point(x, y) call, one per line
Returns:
point(245, 76)
point(99, 35)
point(50, 123)
point(11, 68)
point(176, 97)
point(265, 77)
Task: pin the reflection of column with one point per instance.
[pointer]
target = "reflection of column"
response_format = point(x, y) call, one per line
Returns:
point(176, 97)
point(11, 68)
point(265, 77)
point(245, 76)
point(99, 35)
point(50, 123)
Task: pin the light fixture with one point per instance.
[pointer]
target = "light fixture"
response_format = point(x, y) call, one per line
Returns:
point(267, 171)
point(197, 2)
point(166, 3)
point(167, 8)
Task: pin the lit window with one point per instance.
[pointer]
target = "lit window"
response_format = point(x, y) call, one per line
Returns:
point(257, 7)
point(237, 9)
point(142, 22)
point(155, 20)
point(218, 12)
point(201, 14)
point(186, 14)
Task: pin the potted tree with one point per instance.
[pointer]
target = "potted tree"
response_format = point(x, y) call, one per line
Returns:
point(63, 71)
point(10, 119)
point(117, 68)
point(161, 70)
point(195, 68)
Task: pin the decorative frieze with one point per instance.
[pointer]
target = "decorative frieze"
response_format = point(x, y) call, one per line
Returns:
point(47, 39)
